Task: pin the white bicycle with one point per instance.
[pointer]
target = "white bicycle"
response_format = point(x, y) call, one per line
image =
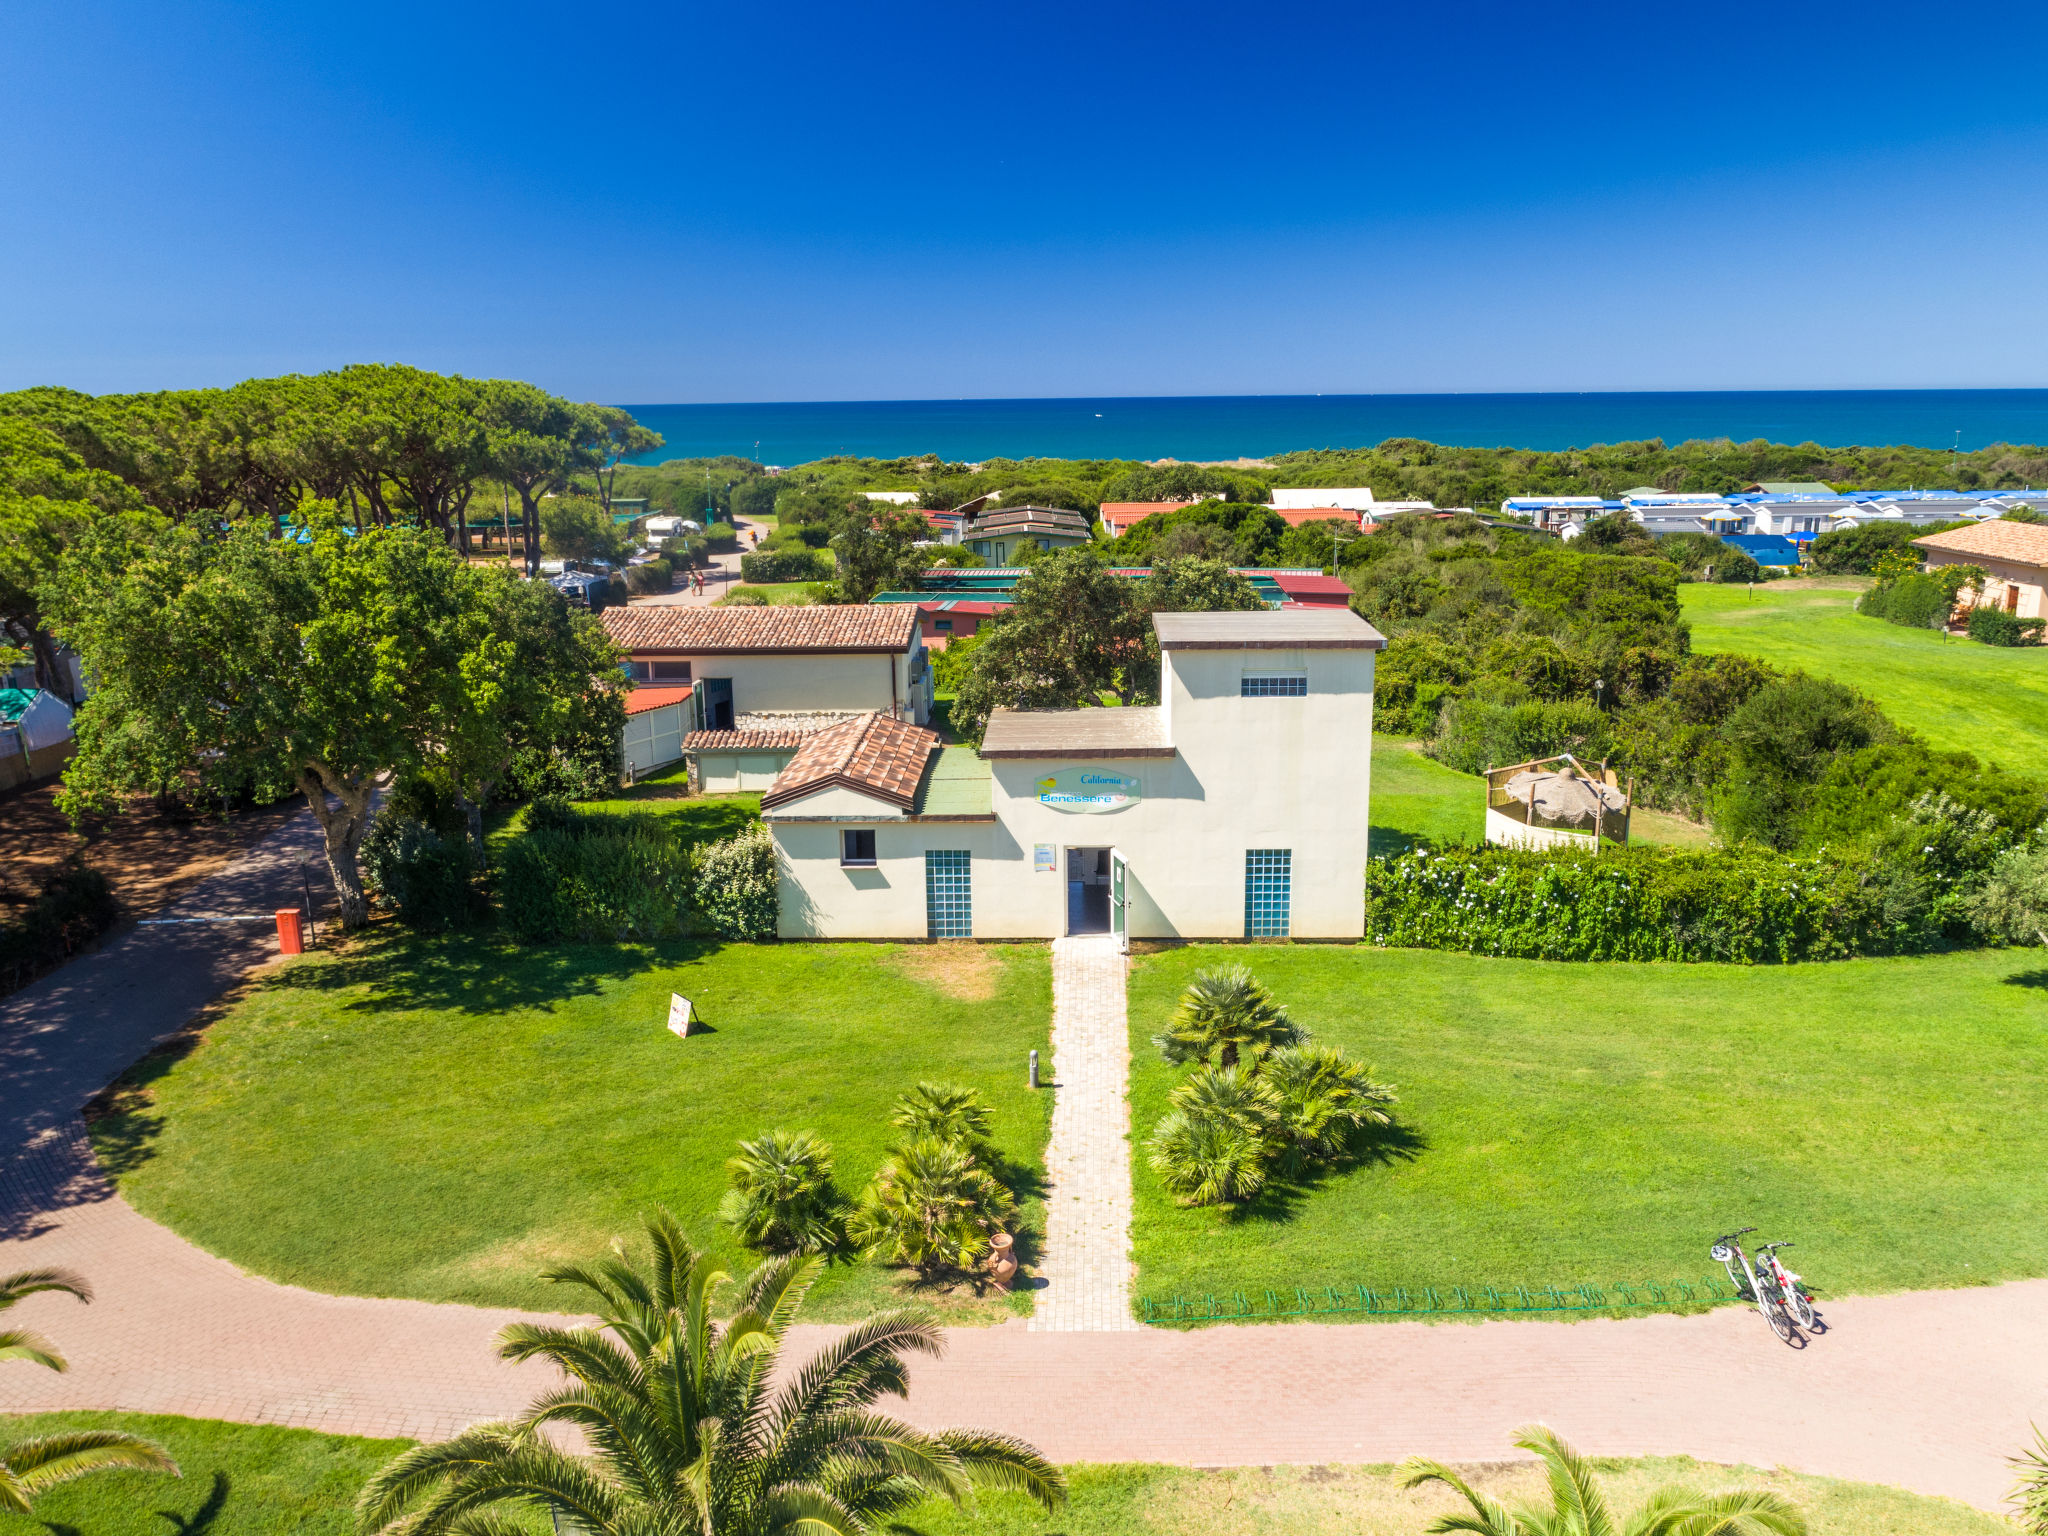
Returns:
point(1790, 1288)
point(1760, 1285)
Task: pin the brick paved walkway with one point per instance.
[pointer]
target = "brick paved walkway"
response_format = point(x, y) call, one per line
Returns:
point(1929, 1390)
point(1087, 1264)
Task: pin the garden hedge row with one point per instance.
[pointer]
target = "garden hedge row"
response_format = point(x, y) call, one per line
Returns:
point(1741, 904)
point(1994, 626)
point(582, 875)
point(770, 565)
point(74, 907)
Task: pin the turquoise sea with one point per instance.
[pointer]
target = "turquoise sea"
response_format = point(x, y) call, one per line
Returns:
point(1252, 426)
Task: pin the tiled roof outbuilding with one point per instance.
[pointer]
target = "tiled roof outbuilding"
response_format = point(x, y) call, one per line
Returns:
point(2022, 543)
point(873, 754)
point(798, 630)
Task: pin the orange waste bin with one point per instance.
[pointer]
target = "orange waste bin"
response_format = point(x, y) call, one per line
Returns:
point(289, 939)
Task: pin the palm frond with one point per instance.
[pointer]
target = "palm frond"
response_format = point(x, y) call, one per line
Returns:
point(413, 1473)
point(1573, 1488)
point(47, 1460)
point(860, 1365)
point(1489, 1516)
point(675, 1258)
point(2029, 1495)
point(806, 1512)
point(583, 1353)
point(27, 1282)
point(1737, 1512)
point(21, 1344)
point(1007, 1464)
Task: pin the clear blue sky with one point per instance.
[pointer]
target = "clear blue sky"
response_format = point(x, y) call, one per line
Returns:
point(774, 202)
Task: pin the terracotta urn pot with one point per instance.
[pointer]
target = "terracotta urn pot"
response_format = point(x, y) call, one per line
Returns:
point(1002, 1259)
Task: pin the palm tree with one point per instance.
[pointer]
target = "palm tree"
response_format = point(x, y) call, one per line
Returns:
point(1324, 1097)
point(1208, 1162)
point(689, 1434)
point(1224, 1014)
point(1578, 1507)
point(945, 1113)
point(782, 1199)
point(932, 1206)
point(34, 1466)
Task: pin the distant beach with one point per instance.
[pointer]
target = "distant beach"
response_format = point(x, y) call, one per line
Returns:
point(1214, 427)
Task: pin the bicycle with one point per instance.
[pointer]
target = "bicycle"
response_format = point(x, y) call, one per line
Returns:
point(1727, 1251)
point(1791, 1292)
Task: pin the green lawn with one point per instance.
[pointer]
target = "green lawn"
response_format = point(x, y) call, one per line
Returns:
point(1416, 797)
point(1565, 1123)
point(779, 593)
point(237, 1480)
point(447, 1118)
point(251, 1480)
point(1989, 700)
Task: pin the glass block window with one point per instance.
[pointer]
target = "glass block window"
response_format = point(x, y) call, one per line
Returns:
point(1274, 685)
point(1268, 879)
point(948, 895)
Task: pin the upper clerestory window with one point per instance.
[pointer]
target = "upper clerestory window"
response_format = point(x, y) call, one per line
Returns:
point(1274, 685)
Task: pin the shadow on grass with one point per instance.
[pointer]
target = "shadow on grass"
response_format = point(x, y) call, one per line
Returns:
point(2038, 979)
point(1370, 1147)
point(203, 1518)
point(480, 973)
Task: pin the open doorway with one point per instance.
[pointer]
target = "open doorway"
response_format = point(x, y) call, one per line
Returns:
point(1087, 890)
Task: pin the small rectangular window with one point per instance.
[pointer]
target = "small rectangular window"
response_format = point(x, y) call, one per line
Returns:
point(857, 848)
point(942, 624)
point(668, 671)
point(1274, 685)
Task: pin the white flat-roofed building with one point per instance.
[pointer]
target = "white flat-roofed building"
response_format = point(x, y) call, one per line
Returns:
point(1352, 498)
point(1238, 807)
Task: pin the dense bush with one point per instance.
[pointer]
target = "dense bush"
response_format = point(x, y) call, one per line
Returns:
point(418, 872)
point(1743, 904)
point(771, 565)
point(737, 885)
point(651, 576)
point(1706, 557)
point(1856, 551)
point(1476, 734)
point(74, 907)
point(721, 537)
point(586, 875)
point(799, 536)
point(1994, 626)
point(933, 1206)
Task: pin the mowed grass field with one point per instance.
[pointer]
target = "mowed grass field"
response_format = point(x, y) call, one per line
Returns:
point(446, 1118)
point(252, 1480)
point(1416, 798)
point(1564, 1123)
point(1960, 695)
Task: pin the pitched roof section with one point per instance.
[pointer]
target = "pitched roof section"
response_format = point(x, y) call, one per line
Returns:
point(791, 630)
point(2025, 543)
point(641, 700)
point(872, 755)
point(1119, 515)
point(1282, 629)
point(746, 741)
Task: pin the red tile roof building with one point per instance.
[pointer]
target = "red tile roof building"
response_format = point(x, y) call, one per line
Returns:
point(1120, 516)
point(874, 755)
point(731, 631)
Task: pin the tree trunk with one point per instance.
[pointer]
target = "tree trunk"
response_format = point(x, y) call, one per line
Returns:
point(473, 822)
point(529, 523)
point(343, 832)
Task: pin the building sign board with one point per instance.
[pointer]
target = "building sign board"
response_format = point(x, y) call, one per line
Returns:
point(1088, 791)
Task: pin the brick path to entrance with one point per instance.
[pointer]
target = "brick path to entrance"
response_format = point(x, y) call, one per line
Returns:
point(1087, 1266)
point(1927, 1390)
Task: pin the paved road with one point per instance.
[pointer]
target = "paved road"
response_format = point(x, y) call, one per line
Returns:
point(720, 578)
point(1927, 1390)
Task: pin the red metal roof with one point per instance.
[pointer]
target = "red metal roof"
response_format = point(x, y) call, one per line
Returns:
point(1300, 587)
point(641, 700)
point(1296, 516)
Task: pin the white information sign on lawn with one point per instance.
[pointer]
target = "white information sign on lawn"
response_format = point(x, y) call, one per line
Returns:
point(678, 1015)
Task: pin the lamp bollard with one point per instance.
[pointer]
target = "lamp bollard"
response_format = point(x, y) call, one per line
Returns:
point(1034, 1069)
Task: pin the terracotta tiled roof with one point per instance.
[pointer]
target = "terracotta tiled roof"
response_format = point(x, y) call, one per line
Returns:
point(640, 700)
point(746, 741)
point(873, 754)
point(1997, 539)
point(712, 631)
point(1295, 517)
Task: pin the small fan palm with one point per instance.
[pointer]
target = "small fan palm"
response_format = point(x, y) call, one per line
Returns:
point(1324, 1097)
point(34, 1466)
point(1578, 1507)
point(693, 1425)
point(1230, 1096)
point(782, 1199)
point(1224, 1016)
point(944, 1112)
point(932, 1206)
point(1208, 1162)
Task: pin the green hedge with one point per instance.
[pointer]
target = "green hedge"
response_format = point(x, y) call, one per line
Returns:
point(581, 875)
point(653, 576)
point(721, 536)
point(786, 565)
point(1994, 626)
point(1916, 602)
point(737, 884)
point(1741, 904)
